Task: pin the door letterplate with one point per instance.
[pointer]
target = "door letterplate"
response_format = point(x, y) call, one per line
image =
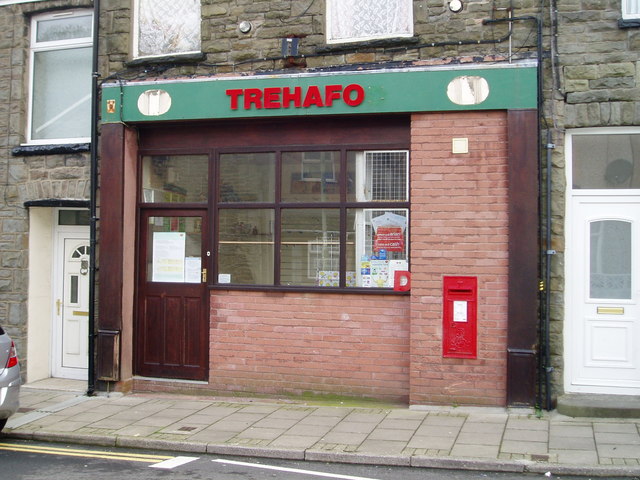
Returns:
point(611, 310)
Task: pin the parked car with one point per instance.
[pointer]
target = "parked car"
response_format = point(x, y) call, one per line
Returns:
point(9, 378)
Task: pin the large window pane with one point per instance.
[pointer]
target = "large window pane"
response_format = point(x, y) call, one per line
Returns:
point(606, 161)
point(310, 250)
point(380, 176)
point(175, 178)
point(311, 177)
point(610, 258)
point(61, 94)
point(245, 254)
point(247, 177)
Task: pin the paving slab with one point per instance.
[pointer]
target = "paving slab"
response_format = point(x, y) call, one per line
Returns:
point(465, 438)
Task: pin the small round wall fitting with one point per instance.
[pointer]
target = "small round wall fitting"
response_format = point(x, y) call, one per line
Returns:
point(245, 26)
point(456, 6)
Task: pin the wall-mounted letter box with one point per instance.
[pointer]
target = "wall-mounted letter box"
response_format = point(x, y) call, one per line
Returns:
point(460, 317)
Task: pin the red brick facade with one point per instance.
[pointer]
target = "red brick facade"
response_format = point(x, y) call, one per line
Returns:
point(278, 343)
point(459, 226)
point(387, 346)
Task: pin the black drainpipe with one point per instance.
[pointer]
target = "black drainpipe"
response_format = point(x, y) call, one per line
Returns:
point(548, 254)
point(92, 200)
point(544, 355)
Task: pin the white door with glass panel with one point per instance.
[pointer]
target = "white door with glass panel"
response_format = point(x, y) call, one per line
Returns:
point(605, 331)
point(72, 307)
point(602, 323)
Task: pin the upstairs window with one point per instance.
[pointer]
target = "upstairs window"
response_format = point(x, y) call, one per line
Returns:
point(361, 20)
point(166, 27)
point(60, 93)
point(630, 9)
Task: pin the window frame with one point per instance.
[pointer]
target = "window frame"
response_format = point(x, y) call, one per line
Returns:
point(36, 47)
point(278, 205)
point(330, 39)
point(135, 37)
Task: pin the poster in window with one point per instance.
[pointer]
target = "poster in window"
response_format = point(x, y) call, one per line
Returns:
point(389, 232)
point(390, 239)
point(168, 257)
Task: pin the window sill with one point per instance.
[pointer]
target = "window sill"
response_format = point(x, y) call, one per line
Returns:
point(186, 58)
point(285, 289)
point(32, 150)
point(630, 23)
point(384, 42)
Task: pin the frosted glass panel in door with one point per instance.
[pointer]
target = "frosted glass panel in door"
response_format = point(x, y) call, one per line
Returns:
point(610, 258)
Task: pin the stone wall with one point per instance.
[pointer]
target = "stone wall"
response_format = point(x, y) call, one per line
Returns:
point(594, 83)
point(440, 36)
point(26, 175)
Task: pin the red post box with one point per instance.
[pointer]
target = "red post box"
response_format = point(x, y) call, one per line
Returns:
point(460, 317)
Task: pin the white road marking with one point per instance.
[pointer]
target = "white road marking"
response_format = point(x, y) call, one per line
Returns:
point(292, 470)
point(173, 462)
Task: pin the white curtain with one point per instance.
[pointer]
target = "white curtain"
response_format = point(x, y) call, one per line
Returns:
point(168, 26)
point(630, 8)
point(369, 19)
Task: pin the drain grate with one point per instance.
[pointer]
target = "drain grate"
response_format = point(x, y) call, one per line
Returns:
point(539, 458)
point(187, 429)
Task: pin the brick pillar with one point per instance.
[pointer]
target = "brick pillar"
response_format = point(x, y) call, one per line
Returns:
point(459, 226)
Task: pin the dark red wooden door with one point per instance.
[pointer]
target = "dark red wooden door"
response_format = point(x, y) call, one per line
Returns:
point(172, 324)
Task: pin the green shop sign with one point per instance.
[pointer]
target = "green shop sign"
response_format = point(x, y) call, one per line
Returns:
point(499, 87)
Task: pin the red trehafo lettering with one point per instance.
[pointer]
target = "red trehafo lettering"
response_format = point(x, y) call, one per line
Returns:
point(296, 97)
point(313, 97)
point(252, 96)
point(331, 93)
point(272, 97)
point(353, 88)
point(234, 93)
point(288, 96)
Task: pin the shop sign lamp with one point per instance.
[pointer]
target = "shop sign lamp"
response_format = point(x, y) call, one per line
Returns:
point(456, 6)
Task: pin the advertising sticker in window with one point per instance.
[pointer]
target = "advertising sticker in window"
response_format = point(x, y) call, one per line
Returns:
point(389, 232)
point(390, 239)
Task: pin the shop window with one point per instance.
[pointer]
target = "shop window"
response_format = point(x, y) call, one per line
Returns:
point(166, 27)
point(630, 9)
point(361, 20)
point(332, 219)
point(60, 93)
point(175, 179)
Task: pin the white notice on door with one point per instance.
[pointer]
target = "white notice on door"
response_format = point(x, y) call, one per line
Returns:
point(168, 256)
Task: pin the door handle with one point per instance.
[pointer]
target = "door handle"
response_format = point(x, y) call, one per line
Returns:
point(58, 303)
point(204, 275)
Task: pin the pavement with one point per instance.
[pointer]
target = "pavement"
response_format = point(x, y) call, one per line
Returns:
point(488, 439)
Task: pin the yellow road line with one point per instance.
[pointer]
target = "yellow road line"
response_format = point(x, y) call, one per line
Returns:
point(132, 457)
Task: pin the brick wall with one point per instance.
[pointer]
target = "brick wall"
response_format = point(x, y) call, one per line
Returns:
point(458, 227)
point(274, 343)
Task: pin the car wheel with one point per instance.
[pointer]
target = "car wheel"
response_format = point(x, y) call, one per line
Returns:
point(3, 422)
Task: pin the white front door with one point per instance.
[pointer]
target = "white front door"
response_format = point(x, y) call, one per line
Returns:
point(71, 309)
point(602, 334)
